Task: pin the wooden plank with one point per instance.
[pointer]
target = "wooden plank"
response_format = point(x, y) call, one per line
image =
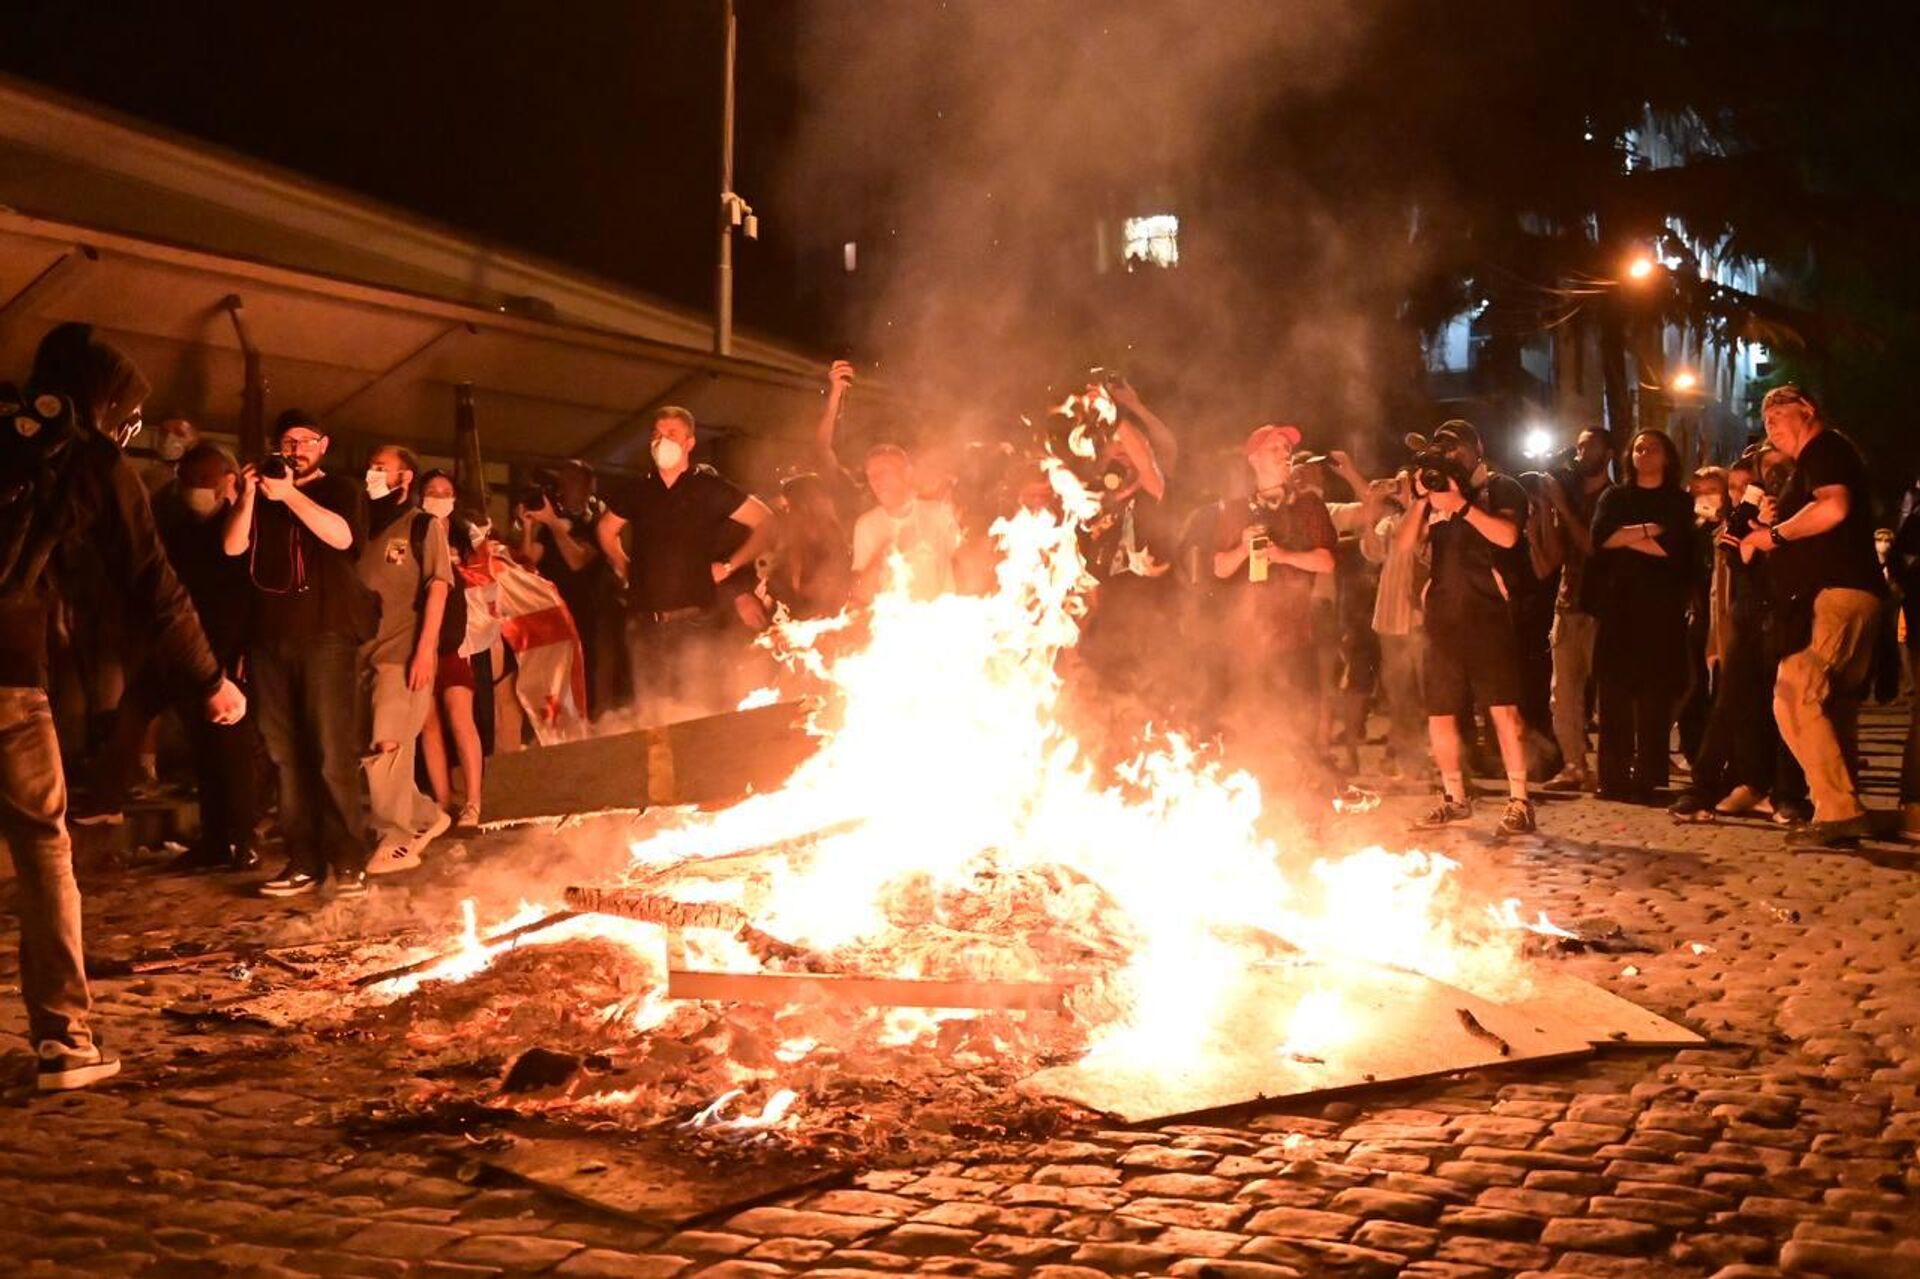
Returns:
point(865, 992)
point(1601, 1015)
point(713, 760)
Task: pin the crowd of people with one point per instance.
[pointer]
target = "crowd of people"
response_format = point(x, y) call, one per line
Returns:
point(339, 641)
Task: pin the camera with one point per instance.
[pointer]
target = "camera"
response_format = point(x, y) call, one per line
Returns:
point(275, 466)
point(542, 491)
point(1435, 471)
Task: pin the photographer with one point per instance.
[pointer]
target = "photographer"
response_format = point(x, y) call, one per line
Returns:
point(300, 531)
point(1820, 537)
point(557, 518)
point(64, 483)
point(1472, 516)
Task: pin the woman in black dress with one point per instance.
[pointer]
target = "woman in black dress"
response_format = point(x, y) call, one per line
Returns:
point(1638, 586)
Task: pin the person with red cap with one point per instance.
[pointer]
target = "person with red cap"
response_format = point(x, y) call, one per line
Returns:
point(1473, 517)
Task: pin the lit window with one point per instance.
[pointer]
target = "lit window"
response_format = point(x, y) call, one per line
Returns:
point(1154, 240)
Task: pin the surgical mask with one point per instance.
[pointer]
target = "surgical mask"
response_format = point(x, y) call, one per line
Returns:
point(202, 502)
point(1707, 508)
point(172, 448)
point(480, 533)
point(377, 486)
point(668, 453)
point(438, 507)
point(1883, 546)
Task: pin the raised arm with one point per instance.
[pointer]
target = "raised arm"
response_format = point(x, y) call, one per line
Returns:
point(1160, 437)
point(839, 381)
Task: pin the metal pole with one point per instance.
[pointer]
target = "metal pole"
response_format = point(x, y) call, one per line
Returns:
point(253, 391)
point(723, 270)
point(469, 472)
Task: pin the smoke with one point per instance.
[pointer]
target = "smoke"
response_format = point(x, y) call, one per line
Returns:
point(984, 155)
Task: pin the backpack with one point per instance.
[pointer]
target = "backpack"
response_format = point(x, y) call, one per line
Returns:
point(38, 472)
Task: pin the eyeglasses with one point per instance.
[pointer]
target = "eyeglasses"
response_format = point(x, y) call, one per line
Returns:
point(300, 441)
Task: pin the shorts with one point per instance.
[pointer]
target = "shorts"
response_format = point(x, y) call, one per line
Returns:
point(455, 671)
point(1472, 661)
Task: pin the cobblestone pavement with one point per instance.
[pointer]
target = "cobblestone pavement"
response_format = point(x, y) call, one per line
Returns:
point(1785, 1146)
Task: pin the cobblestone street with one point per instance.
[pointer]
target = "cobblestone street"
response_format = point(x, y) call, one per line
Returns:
point(1786, 1146)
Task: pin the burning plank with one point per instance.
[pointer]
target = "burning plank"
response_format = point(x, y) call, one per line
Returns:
point(867, 992)
point(652, 908)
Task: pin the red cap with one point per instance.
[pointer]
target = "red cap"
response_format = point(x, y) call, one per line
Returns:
point(1265, 435)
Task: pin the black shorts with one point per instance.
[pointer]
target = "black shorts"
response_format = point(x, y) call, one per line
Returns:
point(1472, 661)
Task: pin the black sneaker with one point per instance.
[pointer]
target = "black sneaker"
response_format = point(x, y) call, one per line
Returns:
point(1845, 834)
point(1444, 813)
point(291, 882)
point(62, 1068)
point(243, 858)
point(350, 883)
point(1792, 812)
point(1518, 819)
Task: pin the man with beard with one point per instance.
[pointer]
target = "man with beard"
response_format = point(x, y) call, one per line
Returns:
point(406, 564)
point(63, 482)
point(1573, 493)
point(301, 530)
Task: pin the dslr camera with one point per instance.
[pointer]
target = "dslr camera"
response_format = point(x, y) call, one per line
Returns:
point(275, 466)
point(543, 490)
point(1435, 471)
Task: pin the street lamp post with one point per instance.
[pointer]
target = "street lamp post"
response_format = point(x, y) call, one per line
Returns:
point(723, 269)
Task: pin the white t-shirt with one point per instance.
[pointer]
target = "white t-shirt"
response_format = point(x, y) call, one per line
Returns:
point(926, 536)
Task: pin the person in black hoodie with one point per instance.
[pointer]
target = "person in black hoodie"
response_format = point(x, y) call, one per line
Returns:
point(1638, 586)
point(64, 482)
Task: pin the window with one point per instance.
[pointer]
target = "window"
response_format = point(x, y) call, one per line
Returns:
point(1154, 240)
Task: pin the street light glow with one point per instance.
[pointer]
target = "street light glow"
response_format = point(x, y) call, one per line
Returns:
point(1537, 443)
point(1640, 268)
point(1685, 380)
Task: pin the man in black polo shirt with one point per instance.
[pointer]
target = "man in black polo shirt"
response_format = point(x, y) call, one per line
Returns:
point(1827, 581)
point(691, 530)
point(301, 530)
point(1473, 653)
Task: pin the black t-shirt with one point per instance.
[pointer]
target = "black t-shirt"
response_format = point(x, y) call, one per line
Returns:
point(1282, 605)
point(579, 587)
point(676, 535)
point(1470, 574)
point(1843, 556)
point(216, 582)
point(305, 587)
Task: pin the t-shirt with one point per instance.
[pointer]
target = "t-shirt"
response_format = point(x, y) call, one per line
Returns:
point(1843, 556)
point(1573, 564)
point(1296, 522)
point(392, 570)
point(305, 587)
point(677, 533)
point(1470, 574)
point(579, 587)
point(215, 581)
point(926, 536)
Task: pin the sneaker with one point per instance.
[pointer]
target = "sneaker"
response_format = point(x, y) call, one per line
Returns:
point(243, 858)
point(62, 1068)
point(350, 883)
point(1570, 779)
point(1355, 799)
point(1691, 807)
point(1831, 834)
point(1444, 813)
point(1792, 812)
point(397, 855)
point(1518, 819)
point(195, 860)
point(468, 820)
point(291, 882)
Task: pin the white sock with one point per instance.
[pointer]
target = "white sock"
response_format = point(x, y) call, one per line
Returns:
point(1517, 785)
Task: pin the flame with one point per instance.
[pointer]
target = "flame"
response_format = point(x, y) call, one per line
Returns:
point(770, 1115)
point(1507, 915)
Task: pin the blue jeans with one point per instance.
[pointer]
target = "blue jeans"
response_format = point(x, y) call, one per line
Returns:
point(33, 818)
point(308, 696)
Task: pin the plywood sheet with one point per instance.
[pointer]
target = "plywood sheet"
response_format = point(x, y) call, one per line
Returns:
point(1401, 1026)
point(865, 992)
point(711, 760)
point(1603, 1016)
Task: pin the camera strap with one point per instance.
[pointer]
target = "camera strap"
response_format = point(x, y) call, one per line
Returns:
point(296, 560)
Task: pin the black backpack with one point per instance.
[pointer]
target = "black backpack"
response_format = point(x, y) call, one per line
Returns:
point(39, 454)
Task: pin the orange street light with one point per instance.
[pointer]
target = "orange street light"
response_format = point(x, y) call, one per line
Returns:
point(1640, 268)
point(1685, 380)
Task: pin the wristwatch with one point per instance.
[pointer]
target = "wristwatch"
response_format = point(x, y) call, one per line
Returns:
point(1773, 531)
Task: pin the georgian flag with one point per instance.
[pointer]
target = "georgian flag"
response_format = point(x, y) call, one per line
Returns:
point(525, 612)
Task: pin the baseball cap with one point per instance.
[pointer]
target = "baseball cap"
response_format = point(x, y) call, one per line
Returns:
point(1457, 429)
point(291, 419)
point(1265, 435)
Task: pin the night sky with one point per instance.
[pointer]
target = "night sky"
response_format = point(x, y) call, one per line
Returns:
point(586, 132)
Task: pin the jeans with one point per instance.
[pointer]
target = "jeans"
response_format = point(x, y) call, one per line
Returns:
point(1403, 659)
point(33, 818)
point(308, 696)
point(399, 713)
point(1572, 641)
point(1816, 698)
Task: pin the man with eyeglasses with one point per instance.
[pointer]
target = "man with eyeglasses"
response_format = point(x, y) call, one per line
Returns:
point(1827, 579)
point(301, 531)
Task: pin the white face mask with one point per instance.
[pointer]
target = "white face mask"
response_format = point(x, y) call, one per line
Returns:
point(172, 448)
point(202, 502)
point(668, 453)
point(377, 486)
point(1707, 508)
point(480, 533)
point(438, 507)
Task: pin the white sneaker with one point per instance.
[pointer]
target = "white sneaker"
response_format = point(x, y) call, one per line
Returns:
point(62, 1068)
point(405, 854)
